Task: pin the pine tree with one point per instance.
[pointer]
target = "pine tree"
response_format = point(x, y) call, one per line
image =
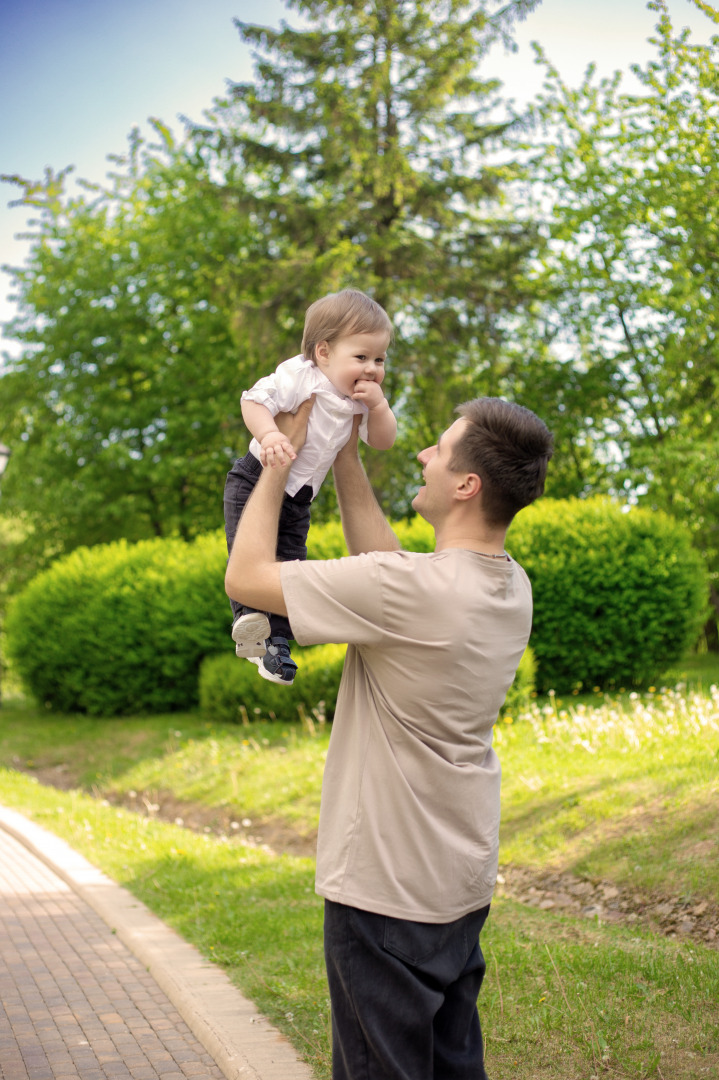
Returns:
point(368, 140)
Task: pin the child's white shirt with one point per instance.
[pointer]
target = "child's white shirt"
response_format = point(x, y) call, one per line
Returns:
point(330, 423)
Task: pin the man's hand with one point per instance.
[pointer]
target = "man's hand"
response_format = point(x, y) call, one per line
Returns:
point(351, 447)
point(293, 426)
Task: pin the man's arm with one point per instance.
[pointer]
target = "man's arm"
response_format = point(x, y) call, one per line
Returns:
point(363, 523)
point(253, 572)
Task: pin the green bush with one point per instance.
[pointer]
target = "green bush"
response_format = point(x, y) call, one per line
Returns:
point(124, 628)
point(327, 541)
point(121, 628)
point(618, 596)
point(522, 689)
point(232, 691)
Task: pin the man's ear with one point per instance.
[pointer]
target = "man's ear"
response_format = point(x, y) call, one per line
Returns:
point(470, 486)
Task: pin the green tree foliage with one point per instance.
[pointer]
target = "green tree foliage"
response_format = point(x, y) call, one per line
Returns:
point(628, 185)
point(370, 134)
point(123, 408)
point(359, 155)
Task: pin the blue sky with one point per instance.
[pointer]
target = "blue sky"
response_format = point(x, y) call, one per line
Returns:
point(76, 75)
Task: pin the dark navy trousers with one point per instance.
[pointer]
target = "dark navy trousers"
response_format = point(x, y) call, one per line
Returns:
point(293, 528)
point(404, 996)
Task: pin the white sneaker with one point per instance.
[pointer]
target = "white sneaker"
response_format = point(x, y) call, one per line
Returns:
point(276, 665)
point(250, 632)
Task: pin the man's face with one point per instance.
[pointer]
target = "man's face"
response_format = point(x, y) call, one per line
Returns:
point(436, 497)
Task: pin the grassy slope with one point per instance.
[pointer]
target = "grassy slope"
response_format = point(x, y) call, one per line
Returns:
point(625, 793)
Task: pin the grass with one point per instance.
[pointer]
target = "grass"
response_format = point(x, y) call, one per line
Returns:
point(622, 789)
point(625, 790)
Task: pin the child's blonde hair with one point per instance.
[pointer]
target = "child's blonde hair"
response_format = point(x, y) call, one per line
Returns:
point(339, 315)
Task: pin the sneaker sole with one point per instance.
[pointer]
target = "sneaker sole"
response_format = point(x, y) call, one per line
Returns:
point(249, 634)
point(268, 674)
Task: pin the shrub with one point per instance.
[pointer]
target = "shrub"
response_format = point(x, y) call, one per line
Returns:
point(520, 693)
point(124, 628)
point(121, 628)
point(231, 690)
point(618, 597)
point(327, 541)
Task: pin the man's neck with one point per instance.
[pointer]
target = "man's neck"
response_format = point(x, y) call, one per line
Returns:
point(484, 541)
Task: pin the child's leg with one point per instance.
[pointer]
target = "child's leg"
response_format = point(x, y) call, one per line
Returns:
point(292, 542)
point(250, 628)
point(239, 485)
point(277, 664)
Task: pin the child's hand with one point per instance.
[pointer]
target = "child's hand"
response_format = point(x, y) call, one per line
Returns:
point(369, 392)
point(276, 450)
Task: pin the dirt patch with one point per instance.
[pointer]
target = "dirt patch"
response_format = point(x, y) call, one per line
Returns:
point(565, 892)
point(557, 892)
point(273, 836)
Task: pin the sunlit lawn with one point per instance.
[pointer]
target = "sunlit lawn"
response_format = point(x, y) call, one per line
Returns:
point(622, 789)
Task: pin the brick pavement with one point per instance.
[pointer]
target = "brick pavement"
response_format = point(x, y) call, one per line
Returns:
point(74, 1001)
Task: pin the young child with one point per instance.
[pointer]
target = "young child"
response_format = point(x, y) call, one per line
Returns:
point(344, 348)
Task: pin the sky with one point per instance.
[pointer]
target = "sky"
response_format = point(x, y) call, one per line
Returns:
point(77, 75)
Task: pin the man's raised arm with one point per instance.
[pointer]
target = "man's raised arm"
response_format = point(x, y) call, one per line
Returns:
point(363, 523)
point(253, 571)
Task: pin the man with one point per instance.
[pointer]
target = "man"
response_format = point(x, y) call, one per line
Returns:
point(408, 838)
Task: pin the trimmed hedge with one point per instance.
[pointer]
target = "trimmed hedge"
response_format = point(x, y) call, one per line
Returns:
point(124, 628)
point(327, 541)
point(523, 688)
point(121, 628)
point(618, 597)
point(233, 692)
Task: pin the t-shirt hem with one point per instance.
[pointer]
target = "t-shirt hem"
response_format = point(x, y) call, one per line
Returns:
point(397, 911)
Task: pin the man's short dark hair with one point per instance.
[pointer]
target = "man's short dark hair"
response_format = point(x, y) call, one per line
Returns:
point(509, 449)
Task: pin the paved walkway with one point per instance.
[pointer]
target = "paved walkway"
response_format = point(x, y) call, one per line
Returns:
point(93, 986)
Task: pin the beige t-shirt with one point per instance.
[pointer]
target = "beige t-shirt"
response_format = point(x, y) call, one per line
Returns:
point(409, 819)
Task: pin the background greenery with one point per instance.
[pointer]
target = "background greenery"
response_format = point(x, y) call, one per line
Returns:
point(617, 598)
point(563, 258)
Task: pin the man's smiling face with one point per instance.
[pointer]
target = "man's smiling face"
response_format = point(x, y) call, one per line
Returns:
point(434, 499)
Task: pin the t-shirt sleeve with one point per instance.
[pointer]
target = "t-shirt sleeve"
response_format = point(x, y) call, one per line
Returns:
point(285, 389)
point(335, 600)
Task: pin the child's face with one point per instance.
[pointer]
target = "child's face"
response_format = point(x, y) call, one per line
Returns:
point(351, 359)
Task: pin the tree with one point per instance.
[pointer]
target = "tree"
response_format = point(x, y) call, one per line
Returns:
point(361, 155)
point(631, 181)
point(123, 406)
point(366, 139)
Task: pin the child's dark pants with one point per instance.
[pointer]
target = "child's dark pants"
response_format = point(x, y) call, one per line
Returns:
point(293, 528)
